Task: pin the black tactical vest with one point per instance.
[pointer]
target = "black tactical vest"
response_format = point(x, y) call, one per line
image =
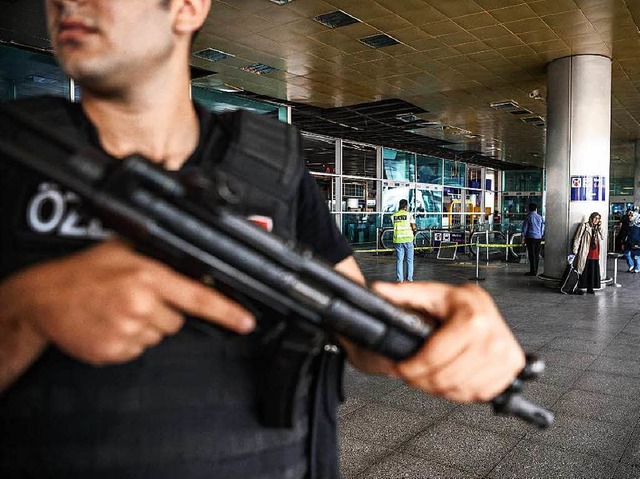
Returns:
point(195, 405)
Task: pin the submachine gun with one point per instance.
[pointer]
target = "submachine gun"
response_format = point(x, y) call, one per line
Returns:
point(156, 210)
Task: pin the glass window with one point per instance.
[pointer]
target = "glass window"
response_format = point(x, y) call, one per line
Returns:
point(220, 102)
point(521, 180)
point(398, 165)
point(359, 195)
point(621, 187)
point(319, 153)
point(428, 199)
point(327, 185)
point(426, 221)
point(392, 193)
point(358, 160)
point(454, 173)
point(361, 229)
point(452, 202)
point(429, 169)
point(25, 74)
point(474, 177)
point(490, 180)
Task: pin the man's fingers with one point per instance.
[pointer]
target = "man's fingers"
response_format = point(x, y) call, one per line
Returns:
point(422, 297)
point(196, 299)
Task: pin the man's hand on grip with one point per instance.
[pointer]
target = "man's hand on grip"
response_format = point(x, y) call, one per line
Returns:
point(107, 304)
point(472, 356)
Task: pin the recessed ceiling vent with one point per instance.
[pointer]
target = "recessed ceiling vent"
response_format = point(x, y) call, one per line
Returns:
point(379, 41)
point(534, 120)
point(521, 111)
point(505, 105)
point(212, 55)
point(336, 19)
point(258, 69)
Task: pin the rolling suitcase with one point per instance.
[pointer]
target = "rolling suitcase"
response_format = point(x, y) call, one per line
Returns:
point(569, 280)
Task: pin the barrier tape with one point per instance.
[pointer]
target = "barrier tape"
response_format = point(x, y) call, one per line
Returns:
point(461, 245)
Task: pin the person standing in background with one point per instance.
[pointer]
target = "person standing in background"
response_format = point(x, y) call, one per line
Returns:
point(532, 233)
point(586, 247)
point(631, 243)
point(404, 227)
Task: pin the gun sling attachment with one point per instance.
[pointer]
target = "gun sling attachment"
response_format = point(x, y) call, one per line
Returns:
point(156, 210)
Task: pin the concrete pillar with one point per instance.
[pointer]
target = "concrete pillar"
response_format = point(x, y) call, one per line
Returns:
point(578, 153)
point(636, 176)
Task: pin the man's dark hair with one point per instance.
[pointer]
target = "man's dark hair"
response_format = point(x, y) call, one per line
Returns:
point(533, 207)
point(403, 204)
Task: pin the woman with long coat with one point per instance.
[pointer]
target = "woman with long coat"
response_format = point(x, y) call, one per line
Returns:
point(586, 247)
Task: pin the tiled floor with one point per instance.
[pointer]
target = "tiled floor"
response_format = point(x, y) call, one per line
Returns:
point(591, 347)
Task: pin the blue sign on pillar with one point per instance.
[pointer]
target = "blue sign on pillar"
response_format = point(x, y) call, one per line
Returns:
point(588, 188)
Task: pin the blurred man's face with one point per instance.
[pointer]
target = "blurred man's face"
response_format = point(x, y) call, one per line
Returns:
point(102, 43)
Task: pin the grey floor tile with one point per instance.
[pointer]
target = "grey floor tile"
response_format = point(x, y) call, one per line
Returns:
point(462, 447)
point(618, 366)
point(609, 383)
point(481, 416)
point(351, 404)
point(621, 350)
point(384, 425)
point(632, 451)
point(597, 406)
point(539, 461)
point(412, 467)
point(602, 439)
point(569, 359)
point(591, 348)
point(357, 455)
point(368, 387)
point(559, 376)
point(578, 345)
point(627, 471)
point(419, 402)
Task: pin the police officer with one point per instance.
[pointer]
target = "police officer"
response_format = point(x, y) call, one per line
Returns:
point(100, 374)
point(404, 228)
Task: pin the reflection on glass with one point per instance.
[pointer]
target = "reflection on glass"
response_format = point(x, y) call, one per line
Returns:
point(425, 221)
point(359, 195)
point(398, 165)
point(392, 194)
point(319, 153)
point(220, 102)
point(26, 74)
point(490, 180)
point(428, 201)
point(454, 173)
point(358, 160)
point(327, 186)
point(474, 177)
point(361, 229)
point(523, 180)
point(429, 169)
point(516, 208)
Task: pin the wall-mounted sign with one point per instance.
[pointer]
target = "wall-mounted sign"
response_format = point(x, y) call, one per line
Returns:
point(588, 188)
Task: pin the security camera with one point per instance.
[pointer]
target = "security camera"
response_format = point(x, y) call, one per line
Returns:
point(535, 94)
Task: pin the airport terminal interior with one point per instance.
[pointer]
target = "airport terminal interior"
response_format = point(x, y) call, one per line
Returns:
point(452, 105)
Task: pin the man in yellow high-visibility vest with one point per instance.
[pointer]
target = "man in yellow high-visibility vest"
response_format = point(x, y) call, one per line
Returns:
point(404, 227)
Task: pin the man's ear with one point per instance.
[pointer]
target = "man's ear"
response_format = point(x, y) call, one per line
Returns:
point(190, 14)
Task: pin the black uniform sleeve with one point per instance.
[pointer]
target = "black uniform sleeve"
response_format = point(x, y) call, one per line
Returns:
point(316, 227)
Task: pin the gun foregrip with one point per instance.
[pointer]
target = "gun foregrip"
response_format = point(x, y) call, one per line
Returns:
point(513, 404)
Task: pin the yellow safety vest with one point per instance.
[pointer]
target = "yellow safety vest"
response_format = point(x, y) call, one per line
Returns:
point(402, 231)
